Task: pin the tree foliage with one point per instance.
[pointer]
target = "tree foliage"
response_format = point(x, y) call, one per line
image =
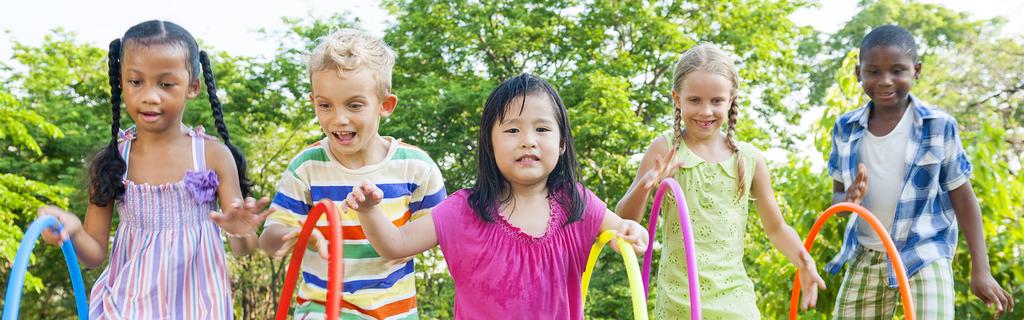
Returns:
point(611, 62)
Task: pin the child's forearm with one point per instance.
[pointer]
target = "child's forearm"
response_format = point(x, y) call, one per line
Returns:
point(270, 240)
point(244, 245)
point(968, 216)
point(788, 242)
point(88, 250)
point(633, 203)
point(384, 236)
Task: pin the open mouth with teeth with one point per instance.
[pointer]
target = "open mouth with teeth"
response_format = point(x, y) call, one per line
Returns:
point(150, 116)
point(528, 159)
point(705, 124)
point(344, 137)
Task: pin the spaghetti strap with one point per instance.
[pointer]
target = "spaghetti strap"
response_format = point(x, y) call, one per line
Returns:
point(198, 148)
point(125, 138)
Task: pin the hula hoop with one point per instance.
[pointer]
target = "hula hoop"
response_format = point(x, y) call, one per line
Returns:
point(16, 281)
point(335, 265)
point(632, 272)
point(691, 253)
point(890, 249)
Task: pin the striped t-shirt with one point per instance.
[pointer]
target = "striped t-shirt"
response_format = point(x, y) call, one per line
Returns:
point(412, 186)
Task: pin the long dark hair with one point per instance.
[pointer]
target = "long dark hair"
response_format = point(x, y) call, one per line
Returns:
point(108, 168)
point(562, 182)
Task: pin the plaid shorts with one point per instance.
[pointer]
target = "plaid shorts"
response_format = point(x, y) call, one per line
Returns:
point(865, 292)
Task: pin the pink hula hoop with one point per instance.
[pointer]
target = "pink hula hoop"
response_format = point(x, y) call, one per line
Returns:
point(691, 253)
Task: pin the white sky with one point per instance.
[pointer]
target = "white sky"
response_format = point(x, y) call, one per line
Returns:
point(222, 25)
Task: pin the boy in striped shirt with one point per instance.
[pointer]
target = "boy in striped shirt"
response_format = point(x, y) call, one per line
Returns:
point(350, 73)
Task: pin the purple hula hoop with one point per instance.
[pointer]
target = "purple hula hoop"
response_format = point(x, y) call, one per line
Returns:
point(691, 253)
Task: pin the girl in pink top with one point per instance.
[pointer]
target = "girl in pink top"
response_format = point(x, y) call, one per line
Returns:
point(517, 242)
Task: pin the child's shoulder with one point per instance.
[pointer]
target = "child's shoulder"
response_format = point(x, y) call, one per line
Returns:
point(314, 152)
point(926, 110)
point(748, 150)
point(405, 151)
point(852, 116)
point(455, 205)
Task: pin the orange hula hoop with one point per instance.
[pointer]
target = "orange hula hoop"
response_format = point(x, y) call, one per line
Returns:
point(335, 265)
point(890, 249)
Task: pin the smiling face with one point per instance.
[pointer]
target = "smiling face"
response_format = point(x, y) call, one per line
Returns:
point(704, 99)
point(349, 109)
point(886, 74)
point(527, 143)
point(156, 83)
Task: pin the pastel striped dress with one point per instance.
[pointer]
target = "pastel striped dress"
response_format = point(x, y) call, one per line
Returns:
point(167, 260)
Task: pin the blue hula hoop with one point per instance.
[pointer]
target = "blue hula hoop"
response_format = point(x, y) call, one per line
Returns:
point(12, 300)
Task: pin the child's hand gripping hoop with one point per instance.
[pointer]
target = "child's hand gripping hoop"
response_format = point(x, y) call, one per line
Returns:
point(632, 272)
point(17, 278)
point(691, 253)
point(335, 264)
point(890, 249)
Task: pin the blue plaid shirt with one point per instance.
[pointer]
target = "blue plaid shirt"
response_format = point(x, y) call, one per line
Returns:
point(924, 228)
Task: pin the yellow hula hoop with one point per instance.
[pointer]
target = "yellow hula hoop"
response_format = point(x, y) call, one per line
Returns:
point(636, 286)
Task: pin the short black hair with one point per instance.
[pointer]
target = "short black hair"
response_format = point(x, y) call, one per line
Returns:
point(889, 36)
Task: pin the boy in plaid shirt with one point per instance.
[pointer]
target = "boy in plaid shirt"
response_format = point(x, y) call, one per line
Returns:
point(904, 160)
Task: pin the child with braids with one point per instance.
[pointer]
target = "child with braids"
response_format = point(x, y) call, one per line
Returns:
point(719, 175)
point(166, 180)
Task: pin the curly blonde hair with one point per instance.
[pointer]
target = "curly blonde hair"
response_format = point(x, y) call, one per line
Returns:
point(347, 50)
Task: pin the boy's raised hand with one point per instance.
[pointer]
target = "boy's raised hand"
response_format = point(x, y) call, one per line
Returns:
point(634, 234)
point(70, 225)
point(242, 217)
point(986, 288)
point(363, 198)
point(855, 193)
point(662, 169)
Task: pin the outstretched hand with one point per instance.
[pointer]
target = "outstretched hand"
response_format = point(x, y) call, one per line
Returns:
point(363, 198)
point(242, 218)
point(662, 169)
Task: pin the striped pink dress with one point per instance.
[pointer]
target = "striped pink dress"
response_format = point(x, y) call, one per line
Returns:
point(167, 260)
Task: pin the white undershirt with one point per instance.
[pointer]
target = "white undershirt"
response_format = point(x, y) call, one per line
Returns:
point(884, 158)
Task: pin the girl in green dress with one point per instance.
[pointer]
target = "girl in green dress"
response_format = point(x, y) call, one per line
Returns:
point(719, 176)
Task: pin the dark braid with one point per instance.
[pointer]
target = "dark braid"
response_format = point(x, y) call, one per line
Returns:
point(222, 129)
point(107, 169)
point(741, 185)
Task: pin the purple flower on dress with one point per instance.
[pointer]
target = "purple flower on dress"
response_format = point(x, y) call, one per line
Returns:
point(201, 185)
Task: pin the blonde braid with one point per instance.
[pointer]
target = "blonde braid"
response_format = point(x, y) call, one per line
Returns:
point(741, 186)
point(677, 126)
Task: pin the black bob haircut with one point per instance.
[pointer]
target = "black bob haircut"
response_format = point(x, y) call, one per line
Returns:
point(561, 183)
